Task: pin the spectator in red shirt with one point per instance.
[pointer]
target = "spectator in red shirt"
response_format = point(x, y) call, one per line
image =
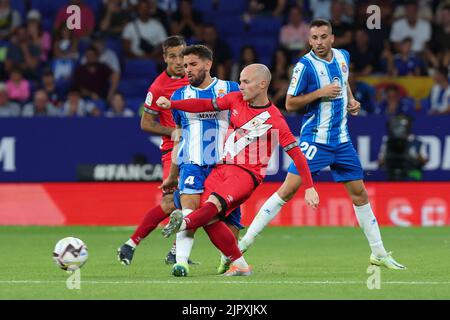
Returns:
point(95, 80)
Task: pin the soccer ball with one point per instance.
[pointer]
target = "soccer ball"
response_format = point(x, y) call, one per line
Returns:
point(70, 253)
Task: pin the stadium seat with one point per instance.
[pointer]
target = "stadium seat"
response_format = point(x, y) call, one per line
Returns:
point(48, 8)
point(230, 26)
point(425, 105)
point(235, 6)
point(134, 87)
point(134, 103)
point(265, 26)
point(143, 68)
point(19, 5)
point(203, 6)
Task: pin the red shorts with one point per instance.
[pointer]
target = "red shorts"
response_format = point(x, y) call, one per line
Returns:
point(166, 160)
point(233, 184)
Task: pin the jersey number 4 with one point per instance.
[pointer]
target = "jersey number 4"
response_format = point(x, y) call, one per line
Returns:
point(189, 180)
point(308, 150)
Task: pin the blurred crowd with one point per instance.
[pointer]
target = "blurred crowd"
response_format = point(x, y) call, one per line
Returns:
point(101, 68)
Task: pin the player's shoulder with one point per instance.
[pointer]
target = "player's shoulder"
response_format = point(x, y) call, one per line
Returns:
point(159, 82)
point(344, 52)
point(303, 64)
point(178, 93)
point(227, 85)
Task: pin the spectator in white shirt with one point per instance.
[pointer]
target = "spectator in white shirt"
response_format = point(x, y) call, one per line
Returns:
point(143, 35)
point(41, 106)
point(75, 106)
point(117, 107)
point(440, 92)
point(411, 27)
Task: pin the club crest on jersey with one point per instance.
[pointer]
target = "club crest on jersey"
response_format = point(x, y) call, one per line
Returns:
point(344, 67)
point(149, 99)
point(220, 93)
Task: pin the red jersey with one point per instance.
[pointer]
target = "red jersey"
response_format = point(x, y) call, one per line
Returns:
point(164, 85)
point(256, 132)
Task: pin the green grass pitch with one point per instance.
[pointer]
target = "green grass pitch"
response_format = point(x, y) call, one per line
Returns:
point(288, 263)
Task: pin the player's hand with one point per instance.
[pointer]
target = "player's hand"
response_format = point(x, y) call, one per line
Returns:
point(353, 107)
point(170, 184)
point(331, 91)
point(163, 102)
point(312, 197)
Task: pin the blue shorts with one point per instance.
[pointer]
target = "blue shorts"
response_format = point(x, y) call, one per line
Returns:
point(197, 175)
point(342, 159)
point(192, 178)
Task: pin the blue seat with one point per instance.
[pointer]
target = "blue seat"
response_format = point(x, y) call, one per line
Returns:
point(230, 25)
point(425, 106)
point(236, 6)
point(134, 103)
point(143, 68)
point(265, 25)
point(134, 87)
point(19, 5)
point(203, 5)
point(48, 8)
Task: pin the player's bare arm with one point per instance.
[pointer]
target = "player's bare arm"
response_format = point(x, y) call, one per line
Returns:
point(150, 124)
point(299, 102)
point(171, 182)
point(353, 106)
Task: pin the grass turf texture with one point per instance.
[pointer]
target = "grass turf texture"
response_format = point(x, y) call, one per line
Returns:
point(288, 263)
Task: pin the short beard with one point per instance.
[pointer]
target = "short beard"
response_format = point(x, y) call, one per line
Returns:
point(196, 82)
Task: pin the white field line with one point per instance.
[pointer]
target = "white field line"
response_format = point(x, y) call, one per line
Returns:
point(181, 282)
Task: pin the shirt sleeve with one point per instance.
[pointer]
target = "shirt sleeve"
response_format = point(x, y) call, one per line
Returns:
point(290, 146)
point(346, 56)
point(150, 101)
point(202, 105)
point(298, 80)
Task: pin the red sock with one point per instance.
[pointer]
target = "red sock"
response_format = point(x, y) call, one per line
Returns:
point(200, 217)
point(223, 239)
point(150, 222)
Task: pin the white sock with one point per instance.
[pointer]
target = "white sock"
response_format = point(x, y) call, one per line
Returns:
point(241, 263)
point(131, 243)
point(267, 213)
point(183, 226)
point(369, 225)
point(185, 242)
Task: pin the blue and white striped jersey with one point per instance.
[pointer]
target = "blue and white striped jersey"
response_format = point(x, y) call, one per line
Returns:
point(325, 120)
point(203, 134)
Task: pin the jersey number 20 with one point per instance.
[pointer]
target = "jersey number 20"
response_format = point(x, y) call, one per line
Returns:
point(308, 150)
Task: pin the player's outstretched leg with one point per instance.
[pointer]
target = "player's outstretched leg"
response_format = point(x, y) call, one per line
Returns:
point(176, 219)
point(270, 209)
point(368, 223)
point(149, 223)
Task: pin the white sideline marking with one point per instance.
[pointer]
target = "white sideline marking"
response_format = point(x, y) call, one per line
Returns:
point(331, 282)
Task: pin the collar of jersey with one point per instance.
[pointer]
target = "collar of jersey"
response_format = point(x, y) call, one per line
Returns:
point(208, 87)
point(322, 60)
